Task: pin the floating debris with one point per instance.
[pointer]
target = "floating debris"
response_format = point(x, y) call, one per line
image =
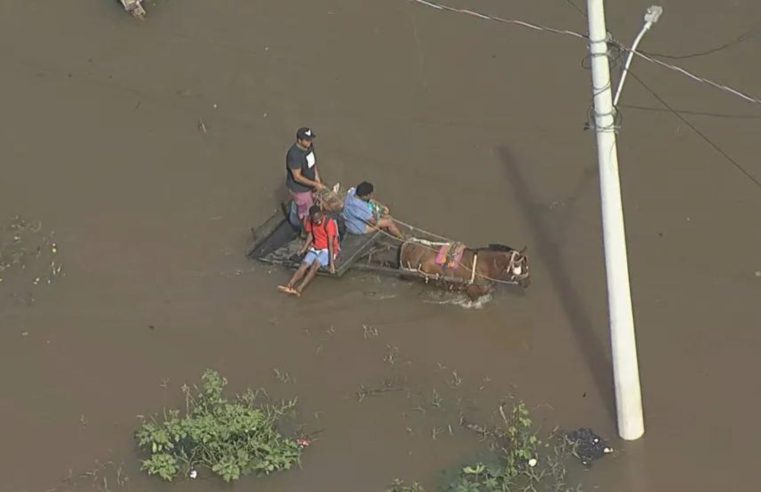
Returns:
point(456, 379)
point(28, 258)
point(387, 385)
point(587, 445)
point(134, 8)
point(370, 332)
point(392, 355)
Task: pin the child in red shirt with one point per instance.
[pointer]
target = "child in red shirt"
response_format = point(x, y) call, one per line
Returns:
point(321, 248)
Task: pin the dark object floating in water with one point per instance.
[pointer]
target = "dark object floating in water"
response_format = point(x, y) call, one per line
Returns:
point(587, 445)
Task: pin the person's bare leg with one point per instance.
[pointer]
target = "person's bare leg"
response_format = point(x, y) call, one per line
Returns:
point(297, 275)
point(388, 224)
point(309, 276)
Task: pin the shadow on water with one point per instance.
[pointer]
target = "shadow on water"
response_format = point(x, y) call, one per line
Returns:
point(548, 248)
point(280, 194)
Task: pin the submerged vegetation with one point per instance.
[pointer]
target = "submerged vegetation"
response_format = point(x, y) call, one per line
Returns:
point(230, 438)
point(400, 486)
point(242, 435)
point(519, 460)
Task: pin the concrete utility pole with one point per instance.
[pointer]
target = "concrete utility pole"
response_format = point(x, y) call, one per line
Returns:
point(623, 342)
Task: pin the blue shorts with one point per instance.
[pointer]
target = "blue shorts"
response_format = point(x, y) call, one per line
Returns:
point(321, 255)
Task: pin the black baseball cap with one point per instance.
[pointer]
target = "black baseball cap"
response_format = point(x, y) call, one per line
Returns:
point(305, 133)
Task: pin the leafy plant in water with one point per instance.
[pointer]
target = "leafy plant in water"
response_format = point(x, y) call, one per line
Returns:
point(231, 438)
point(518, 465)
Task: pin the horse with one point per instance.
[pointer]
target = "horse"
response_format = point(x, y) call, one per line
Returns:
point(458, 267)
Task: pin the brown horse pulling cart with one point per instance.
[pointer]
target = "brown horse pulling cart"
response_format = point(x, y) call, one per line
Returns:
point(457, 267)
point(421, 255)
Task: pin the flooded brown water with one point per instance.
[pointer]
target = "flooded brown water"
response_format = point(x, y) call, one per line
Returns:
point(467, 128)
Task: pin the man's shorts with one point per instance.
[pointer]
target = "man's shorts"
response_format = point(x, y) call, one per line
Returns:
point(321, 255)
point(304, 202)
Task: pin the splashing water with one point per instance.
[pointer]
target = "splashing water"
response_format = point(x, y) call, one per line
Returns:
point(460, 300)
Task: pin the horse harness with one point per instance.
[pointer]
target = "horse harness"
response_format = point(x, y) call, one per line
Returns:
point(450, 255)
point(511, 266)
point(473, 269)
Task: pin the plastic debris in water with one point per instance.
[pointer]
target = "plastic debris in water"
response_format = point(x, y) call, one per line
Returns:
point(532, 462)
point(303, 442)
point(193, 474)
point(587, 445)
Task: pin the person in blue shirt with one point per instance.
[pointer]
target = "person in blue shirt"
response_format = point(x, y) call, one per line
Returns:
point(363, 215)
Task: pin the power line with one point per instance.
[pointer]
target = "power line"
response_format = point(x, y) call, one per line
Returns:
point(617, 45)
point(698, 132)
point(576, 8)
point(729, 116)
point(697, 78)
point(537, 27)
point(679, 114)
point(739, 39)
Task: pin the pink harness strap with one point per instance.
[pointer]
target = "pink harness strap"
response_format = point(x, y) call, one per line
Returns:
point(441, 257)
point(453, 259)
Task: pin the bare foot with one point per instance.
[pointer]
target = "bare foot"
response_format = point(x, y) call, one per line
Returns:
point(287, 290)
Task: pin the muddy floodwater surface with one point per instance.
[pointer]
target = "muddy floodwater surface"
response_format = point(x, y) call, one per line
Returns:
point(149, 149)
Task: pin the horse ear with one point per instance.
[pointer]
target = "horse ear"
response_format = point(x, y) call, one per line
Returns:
point(523, 250)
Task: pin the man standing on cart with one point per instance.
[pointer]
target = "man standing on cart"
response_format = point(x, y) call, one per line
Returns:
point(302, 176)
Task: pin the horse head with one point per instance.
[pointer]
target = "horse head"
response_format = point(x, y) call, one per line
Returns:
point(513, 266)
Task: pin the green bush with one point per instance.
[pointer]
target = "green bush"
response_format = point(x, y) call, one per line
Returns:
point(230, 438)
